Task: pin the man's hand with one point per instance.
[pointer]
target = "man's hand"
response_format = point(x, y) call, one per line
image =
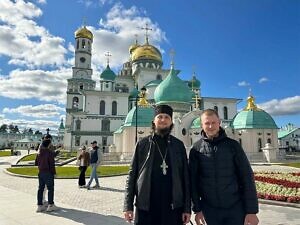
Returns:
point(251, 219)
point(199, 218)
point(128, 216)
point(186, 218)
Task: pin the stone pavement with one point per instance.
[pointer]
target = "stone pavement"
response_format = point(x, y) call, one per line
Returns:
point(94, 207)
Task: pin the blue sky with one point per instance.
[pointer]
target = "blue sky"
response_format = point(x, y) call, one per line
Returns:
point(232, 46)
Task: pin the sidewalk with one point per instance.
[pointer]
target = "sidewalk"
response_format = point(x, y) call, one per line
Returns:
point(95, 207)
point(17, 208)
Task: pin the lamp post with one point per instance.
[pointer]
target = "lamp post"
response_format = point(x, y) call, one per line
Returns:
point(72, 124)
point(138, 96)
point(136, 115)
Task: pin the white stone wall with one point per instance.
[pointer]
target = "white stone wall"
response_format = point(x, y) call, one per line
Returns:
point(209, 103)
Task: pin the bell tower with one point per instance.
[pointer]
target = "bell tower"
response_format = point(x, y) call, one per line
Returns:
point(81, 81)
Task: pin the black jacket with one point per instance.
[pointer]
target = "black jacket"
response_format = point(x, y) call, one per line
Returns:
point(45, 160)
point(138, 184)
point(221, 174)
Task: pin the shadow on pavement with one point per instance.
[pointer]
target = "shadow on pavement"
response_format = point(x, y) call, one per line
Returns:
point(87, 218)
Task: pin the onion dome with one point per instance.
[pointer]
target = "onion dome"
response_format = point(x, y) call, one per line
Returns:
point(145, 52)
point(108, 74)
point(172, 89)
point(134, 93)
point(194, 83)
point(144, 118)
point(253, 117)
point(153, 83)
point(83, 32)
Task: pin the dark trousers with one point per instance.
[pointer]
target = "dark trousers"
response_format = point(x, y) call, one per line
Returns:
point(46, 178)
point(81, 180)
point(152, 217)
point(219, 216)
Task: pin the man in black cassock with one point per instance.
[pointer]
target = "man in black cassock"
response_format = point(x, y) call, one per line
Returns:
point(158, 178)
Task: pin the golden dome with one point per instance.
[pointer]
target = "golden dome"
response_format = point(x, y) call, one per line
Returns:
point(84, 33)
point(145, 52)
point(133, 47)
point(251, 106)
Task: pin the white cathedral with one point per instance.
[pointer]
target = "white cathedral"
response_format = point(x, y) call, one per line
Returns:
point(120, 112)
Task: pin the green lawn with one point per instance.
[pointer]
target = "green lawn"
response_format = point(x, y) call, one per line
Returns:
point(297, 165)
point(30, 157)
point(62, 155)
point(5, 153)
point(72, 172)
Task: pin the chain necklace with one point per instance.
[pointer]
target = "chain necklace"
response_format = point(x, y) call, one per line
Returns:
point(164, 165)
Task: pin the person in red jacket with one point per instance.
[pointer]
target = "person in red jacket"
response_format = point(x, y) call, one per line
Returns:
point(46, 167)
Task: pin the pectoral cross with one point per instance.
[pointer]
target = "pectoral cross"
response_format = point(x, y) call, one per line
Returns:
point(164, 167)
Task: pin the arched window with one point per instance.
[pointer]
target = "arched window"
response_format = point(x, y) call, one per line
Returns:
point(114, 108)
point(77, 141)
point(259, 144)
point(75, 102)
point(102, 107)
point(269, 141)
point(158, 77)
point(225, 113)
point(83, 43)
point(77, 44)
point(183, 131)
point(81, 86)
point(89, 46)
point(77, 125)
point(105, 125)
point(216, 108)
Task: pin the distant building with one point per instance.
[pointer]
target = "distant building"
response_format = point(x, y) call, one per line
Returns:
point(289, 137)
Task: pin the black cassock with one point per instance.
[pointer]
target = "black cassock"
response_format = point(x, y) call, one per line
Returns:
point(161, 212)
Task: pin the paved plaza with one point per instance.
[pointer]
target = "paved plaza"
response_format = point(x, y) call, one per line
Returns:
point(94, 207)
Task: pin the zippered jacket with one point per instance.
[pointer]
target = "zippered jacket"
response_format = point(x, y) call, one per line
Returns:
point(221, 174)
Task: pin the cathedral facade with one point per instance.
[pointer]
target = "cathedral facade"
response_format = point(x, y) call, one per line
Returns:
point(120, 111)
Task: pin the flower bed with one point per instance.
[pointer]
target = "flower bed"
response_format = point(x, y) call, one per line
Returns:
point(278, 186)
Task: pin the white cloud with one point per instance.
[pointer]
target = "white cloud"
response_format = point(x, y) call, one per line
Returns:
point(243, 84)
point(48, 86)
point(263, 79)
point(117, 32)
point(42, 1)
point(23, 41)
point(40, 125)
point(39, 111)
point(286, 106)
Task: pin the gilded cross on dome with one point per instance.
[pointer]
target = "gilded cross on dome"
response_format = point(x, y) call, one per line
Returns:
point(172, 56)
point(146, 28)
point(107, 54)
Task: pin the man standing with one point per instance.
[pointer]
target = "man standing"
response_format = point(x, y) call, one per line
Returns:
point(222, 183)
point(158, 177)
point(46, 166)
point(95, 161)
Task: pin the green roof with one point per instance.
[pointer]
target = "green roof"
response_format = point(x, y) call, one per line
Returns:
point(172, 89)
point(194, 83)
point(119, 131)
point(196, 123)
point(61, 126)
point(284, 133)
point(153, 83)
point(253, 119)
point(134, 93)
point(144, 118)
point(108, 74)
